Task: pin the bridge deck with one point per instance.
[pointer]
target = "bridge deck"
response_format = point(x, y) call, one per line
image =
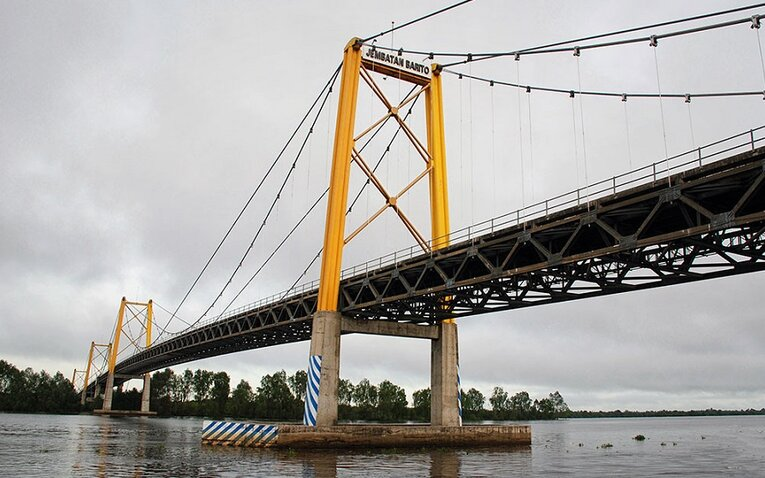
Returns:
point(706, 222)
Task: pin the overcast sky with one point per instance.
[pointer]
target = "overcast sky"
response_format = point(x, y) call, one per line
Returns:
point(131, 133)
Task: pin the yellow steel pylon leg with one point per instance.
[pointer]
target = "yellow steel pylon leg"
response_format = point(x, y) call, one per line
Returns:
point(334, 230)
point(445, 409)
point(324, 360)
point(87, 373)
point(113, 357)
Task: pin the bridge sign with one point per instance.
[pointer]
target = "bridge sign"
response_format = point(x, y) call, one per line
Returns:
point(395, 64)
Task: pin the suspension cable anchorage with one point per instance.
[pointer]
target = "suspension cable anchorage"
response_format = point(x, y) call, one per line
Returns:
point(687, 98)
point(653, 41)
point(624, 97)
point(517, 56)
point(755, 22)
point(577, 51)
point(571, 94)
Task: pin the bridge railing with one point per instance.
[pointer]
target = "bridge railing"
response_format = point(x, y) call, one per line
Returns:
point(660, 170)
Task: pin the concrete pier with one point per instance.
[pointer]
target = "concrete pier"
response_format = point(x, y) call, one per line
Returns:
point(363, 436)
point(444, 359)
point(325, 344)
point(146, 394)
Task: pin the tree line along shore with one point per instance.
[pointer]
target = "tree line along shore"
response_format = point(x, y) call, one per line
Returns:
point(280, 396)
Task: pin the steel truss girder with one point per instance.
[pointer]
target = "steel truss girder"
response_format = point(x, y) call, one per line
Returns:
point(649, 236)
point(709, 223)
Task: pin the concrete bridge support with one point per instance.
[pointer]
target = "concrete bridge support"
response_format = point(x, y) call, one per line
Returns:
point(445, 409)
point(146, 392)
point(324, 364)
point(107, 406)
point(323, 380)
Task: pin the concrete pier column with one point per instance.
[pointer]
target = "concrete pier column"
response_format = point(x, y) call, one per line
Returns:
point(146, 394)
point(108, 392)
point(444, 358)
point(325, 351)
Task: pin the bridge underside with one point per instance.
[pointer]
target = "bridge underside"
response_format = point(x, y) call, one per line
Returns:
point(710, 222)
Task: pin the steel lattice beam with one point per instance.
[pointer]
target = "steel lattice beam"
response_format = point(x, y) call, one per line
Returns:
point(709, 223)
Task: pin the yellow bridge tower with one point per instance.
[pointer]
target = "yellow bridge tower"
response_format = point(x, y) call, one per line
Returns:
point(360, 62)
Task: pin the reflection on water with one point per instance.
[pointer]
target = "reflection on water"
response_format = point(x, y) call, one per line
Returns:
point(47, 445)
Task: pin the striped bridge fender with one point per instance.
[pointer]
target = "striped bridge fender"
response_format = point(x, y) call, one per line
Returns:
point(219, 432)
point(459, 394)
point(312, 390)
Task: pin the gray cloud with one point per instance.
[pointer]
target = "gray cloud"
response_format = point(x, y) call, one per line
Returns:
point(132, 134)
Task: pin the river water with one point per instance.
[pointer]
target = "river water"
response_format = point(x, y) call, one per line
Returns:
point(84, 445)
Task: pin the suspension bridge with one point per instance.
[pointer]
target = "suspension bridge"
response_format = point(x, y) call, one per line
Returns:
point(687, 217)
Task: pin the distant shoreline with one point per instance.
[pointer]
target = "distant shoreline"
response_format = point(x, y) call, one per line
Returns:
point(711, 412)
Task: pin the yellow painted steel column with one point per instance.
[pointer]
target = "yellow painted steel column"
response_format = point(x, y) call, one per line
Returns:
point(117, 332)
point(334, 230)
point(444, 378)
point(87, 374)
point(113, 351)
point(439, 193)
point(149, 320)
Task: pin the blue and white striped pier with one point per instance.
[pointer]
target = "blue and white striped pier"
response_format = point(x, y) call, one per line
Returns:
point(224, 433)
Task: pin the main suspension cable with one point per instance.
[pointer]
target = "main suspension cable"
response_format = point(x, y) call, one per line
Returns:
point(313, 206)
point(569, 91)
point(416, 20)
point(473, 57)
point(260, 184)
point(273, 203)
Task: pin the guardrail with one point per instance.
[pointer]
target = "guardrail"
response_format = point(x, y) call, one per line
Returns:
point(748, 140)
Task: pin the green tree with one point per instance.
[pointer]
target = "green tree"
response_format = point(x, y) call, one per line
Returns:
point(298, 383)
point(391, 401)
point(500, 404)
point(365, 397)
point(472, 404)
point(345, 392)
point(201, 384)
point(521, 406)
point(10, 379)
point(421, 404)
point(187, 383)
point(273, 398)
point(241, 400)
point(161, 392)
point(560, 408)
point(220, 390)
point(545, 408)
